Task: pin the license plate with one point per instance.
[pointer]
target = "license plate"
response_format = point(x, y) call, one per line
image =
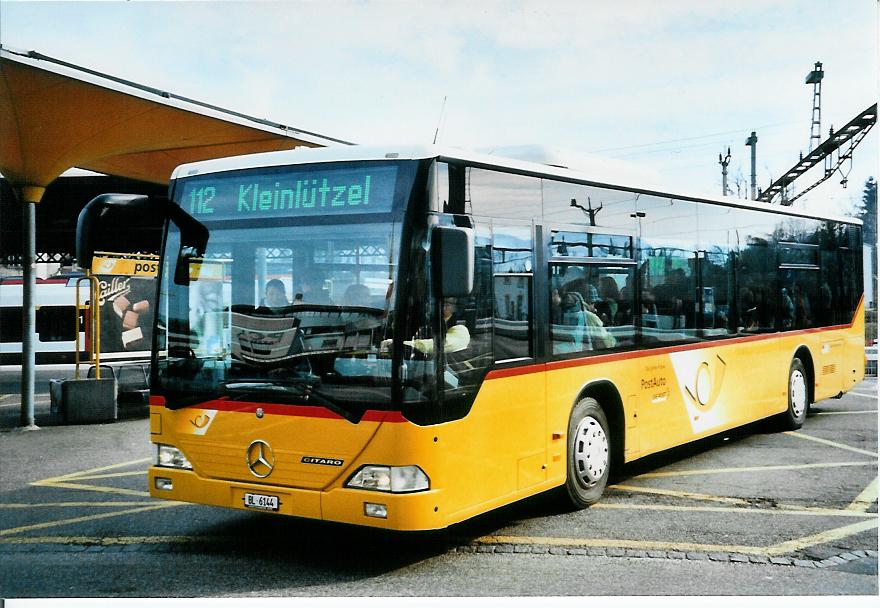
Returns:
point(264, 502)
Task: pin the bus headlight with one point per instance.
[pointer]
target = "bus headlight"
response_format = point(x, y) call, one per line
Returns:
point(389, 479)
point(170, 456)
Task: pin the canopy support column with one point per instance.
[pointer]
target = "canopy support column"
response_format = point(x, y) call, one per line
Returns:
point(30, 196)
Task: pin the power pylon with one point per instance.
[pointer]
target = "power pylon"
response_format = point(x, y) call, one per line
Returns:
point(815, 78)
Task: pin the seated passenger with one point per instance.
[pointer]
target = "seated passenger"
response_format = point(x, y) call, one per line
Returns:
point(313, 292)
point(788, 312)
point(596, 332)
point(356, 294)
point(609, 299)
point(275, 298)
point(591, 332)
point(803, 314)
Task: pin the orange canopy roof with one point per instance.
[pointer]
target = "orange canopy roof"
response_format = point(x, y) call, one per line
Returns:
point(55, 115)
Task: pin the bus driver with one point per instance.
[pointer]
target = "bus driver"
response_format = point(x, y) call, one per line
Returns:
point(457, 335)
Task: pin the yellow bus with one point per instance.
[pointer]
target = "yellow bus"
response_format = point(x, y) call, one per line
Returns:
point(406, 338)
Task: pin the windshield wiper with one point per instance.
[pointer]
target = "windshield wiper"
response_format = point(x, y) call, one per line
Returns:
point(300, 388)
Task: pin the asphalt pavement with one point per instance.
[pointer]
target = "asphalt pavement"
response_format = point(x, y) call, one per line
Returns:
point(750, 512)
point(45, 415)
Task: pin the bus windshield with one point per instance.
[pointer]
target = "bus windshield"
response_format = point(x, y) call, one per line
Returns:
point(287, 304)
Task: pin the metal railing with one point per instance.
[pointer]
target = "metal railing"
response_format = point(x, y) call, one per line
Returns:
point(94, 327)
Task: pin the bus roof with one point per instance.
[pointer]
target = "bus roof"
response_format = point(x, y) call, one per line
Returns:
point(603, 175)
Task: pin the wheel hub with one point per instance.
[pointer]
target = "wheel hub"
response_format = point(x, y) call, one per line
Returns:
point(590, 451)
point(797, 391)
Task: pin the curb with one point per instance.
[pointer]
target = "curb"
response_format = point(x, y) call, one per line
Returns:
point(735, 558)
point(213, 544)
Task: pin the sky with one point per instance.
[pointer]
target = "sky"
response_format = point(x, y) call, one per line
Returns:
point(665, 86)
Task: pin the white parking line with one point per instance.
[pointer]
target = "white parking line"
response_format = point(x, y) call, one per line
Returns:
point(782, 467)
point(784, 510)
point(846, 413)
point(76, 520)
point(832, 443)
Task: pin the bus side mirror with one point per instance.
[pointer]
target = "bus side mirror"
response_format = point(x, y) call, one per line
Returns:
point(110, 222)
point(116, 222)
point(452, 254)
point(193, 241)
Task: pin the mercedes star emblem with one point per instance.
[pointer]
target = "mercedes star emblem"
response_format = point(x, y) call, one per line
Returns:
point(260, 458)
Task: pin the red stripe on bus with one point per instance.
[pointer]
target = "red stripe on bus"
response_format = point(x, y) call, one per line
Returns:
point(516, 371)
point(302, 411)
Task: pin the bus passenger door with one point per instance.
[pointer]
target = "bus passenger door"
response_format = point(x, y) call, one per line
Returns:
point(807, 303)
point(514, 344)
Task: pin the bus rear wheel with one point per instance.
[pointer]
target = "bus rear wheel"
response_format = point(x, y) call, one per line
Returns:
point(589, 454)
point(798, 396)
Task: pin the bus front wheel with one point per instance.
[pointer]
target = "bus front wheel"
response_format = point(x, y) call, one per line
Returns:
point(589, 454)
point(798, 396)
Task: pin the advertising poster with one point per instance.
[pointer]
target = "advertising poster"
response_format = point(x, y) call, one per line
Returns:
point(127, 291)
point(126, 313)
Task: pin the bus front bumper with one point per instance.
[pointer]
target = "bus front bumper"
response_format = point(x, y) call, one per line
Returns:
point(412, 511)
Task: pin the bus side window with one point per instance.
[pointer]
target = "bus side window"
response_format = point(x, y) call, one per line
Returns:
point(502, 195)
point(756, 272)
point(512, 251)
point(513, 295)
point(668, 258)
point(587, 312)
point(669, 295)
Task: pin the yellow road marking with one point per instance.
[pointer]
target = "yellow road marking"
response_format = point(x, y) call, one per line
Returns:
point(846, 413)
point(680, 494)
point(831, 443)
point(97, 470)
point(108, 475)
point(4, 397)
point(778, 508)
point(784, 510)
point(77, 520)
point(865, 499)
point(614, 542)
point(67, 480)
point(91, 488)
point(117, 503)
point(822, 537)
point(788, 467)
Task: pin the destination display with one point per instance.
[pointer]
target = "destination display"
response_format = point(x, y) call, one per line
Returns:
point(290, 193)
